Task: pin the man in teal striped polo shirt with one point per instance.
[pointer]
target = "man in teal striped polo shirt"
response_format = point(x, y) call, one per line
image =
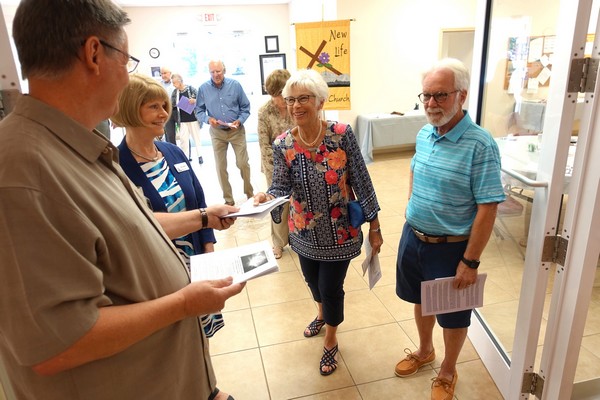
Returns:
point(454, 191)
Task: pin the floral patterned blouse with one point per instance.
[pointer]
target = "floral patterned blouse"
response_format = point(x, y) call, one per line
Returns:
point(318, 181)
point(270, 125)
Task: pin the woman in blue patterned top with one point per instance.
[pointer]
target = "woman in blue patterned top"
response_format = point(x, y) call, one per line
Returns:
point(162, 170)
point(319, 164)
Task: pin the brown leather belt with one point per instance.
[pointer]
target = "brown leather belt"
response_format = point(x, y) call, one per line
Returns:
point(438, 239)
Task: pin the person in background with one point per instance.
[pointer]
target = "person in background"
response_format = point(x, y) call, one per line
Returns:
point(167, 82)
point(449, 217)
point(318, 163)
point(162, 170)
point(95, 301)
point(273, 120)
point(186, 121)
point(223, 104)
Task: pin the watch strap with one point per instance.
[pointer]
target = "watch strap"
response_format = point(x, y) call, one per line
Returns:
point(471, 263)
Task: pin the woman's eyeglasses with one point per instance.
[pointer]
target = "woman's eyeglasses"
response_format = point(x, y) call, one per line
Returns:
point(290, 101)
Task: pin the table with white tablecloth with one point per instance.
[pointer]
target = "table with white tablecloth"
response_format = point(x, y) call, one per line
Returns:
point(387, 131)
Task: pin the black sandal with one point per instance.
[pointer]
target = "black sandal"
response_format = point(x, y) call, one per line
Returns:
point(214, 394)
point(314, 327)
point(328, 360)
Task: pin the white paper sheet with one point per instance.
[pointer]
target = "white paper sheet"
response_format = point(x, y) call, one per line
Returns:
point(242, 263)
point(439, 297)
point(247, 209)
point(371, 264)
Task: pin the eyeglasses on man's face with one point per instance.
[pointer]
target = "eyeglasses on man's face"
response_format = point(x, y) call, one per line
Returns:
point(439, 97)
point(290, 101)
point(132, 62)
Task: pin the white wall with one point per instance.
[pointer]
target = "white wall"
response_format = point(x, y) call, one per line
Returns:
point(392, 42)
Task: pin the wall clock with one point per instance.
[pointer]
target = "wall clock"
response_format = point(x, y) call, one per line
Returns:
point(154, 53)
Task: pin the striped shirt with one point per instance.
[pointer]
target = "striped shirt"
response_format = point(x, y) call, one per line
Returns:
point(452, 174)
point(164, 182)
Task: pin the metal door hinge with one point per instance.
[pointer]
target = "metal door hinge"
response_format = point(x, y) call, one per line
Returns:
point(582, 77)
point(555, 249)
point(533, 384)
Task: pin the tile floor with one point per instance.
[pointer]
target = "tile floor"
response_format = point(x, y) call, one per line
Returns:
point(261, 353)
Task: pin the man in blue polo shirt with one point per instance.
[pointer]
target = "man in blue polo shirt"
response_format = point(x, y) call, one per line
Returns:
point(223, 104)
point(454, 191)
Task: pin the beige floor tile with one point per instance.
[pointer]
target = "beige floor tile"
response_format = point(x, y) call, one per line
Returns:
point(390, 244)
point(588, 366)
point(400, 309)
point(354, 279)
point(592, 322)
point(277, 288)
point(286, 262)
point(283, 322)
point(362, 309)
point(392, 224)
point(238, 302)
point(474, 382)
point(241, 375)
point(292, 370)
point(502, 319)
point(229, 339)
point(350, 393)
point(592, 344)
point(372, 353)
point(415, 387)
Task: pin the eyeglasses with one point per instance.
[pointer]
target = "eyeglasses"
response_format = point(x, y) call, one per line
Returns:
point(439, 97)
point(132, 62)
point(290, 101)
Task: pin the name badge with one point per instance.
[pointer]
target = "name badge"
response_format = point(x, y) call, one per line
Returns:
point(182, 167)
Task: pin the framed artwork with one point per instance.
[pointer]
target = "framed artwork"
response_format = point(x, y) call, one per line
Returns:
point(269, 63)
point(272, 44)
point(155, 72)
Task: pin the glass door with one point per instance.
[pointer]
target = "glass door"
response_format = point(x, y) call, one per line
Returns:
point(541, 127)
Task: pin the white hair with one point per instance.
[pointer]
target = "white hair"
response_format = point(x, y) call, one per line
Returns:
point(458, 69)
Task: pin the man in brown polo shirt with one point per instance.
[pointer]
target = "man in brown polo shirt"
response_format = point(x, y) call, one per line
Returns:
point(95, 302)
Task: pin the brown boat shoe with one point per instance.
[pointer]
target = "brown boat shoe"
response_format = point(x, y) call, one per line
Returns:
point(411, 364)
point(443, 389)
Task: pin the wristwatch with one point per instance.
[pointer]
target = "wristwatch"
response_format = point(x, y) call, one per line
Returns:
point(471, 263)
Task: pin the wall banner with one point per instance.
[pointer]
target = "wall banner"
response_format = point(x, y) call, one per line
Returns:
point(325, 47)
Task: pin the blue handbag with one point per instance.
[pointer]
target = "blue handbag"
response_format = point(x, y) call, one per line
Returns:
point(355, 214)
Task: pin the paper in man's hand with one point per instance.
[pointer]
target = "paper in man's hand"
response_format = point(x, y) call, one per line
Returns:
point(242, 263)
point(439, 297)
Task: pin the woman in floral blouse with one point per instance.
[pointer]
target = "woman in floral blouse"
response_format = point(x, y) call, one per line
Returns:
point(274, 119)
point(318, 163)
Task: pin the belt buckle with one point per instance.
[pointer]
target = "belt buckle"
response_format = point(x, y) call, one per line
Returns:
point(429, 239)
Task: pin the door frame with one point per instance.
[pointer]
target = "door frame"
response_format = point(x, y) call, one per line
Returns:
point(559, 354)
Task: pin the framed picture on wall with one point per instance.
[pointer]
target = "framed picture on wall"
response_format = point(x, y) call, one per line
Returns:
point(269, 63)
point(272, 44)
